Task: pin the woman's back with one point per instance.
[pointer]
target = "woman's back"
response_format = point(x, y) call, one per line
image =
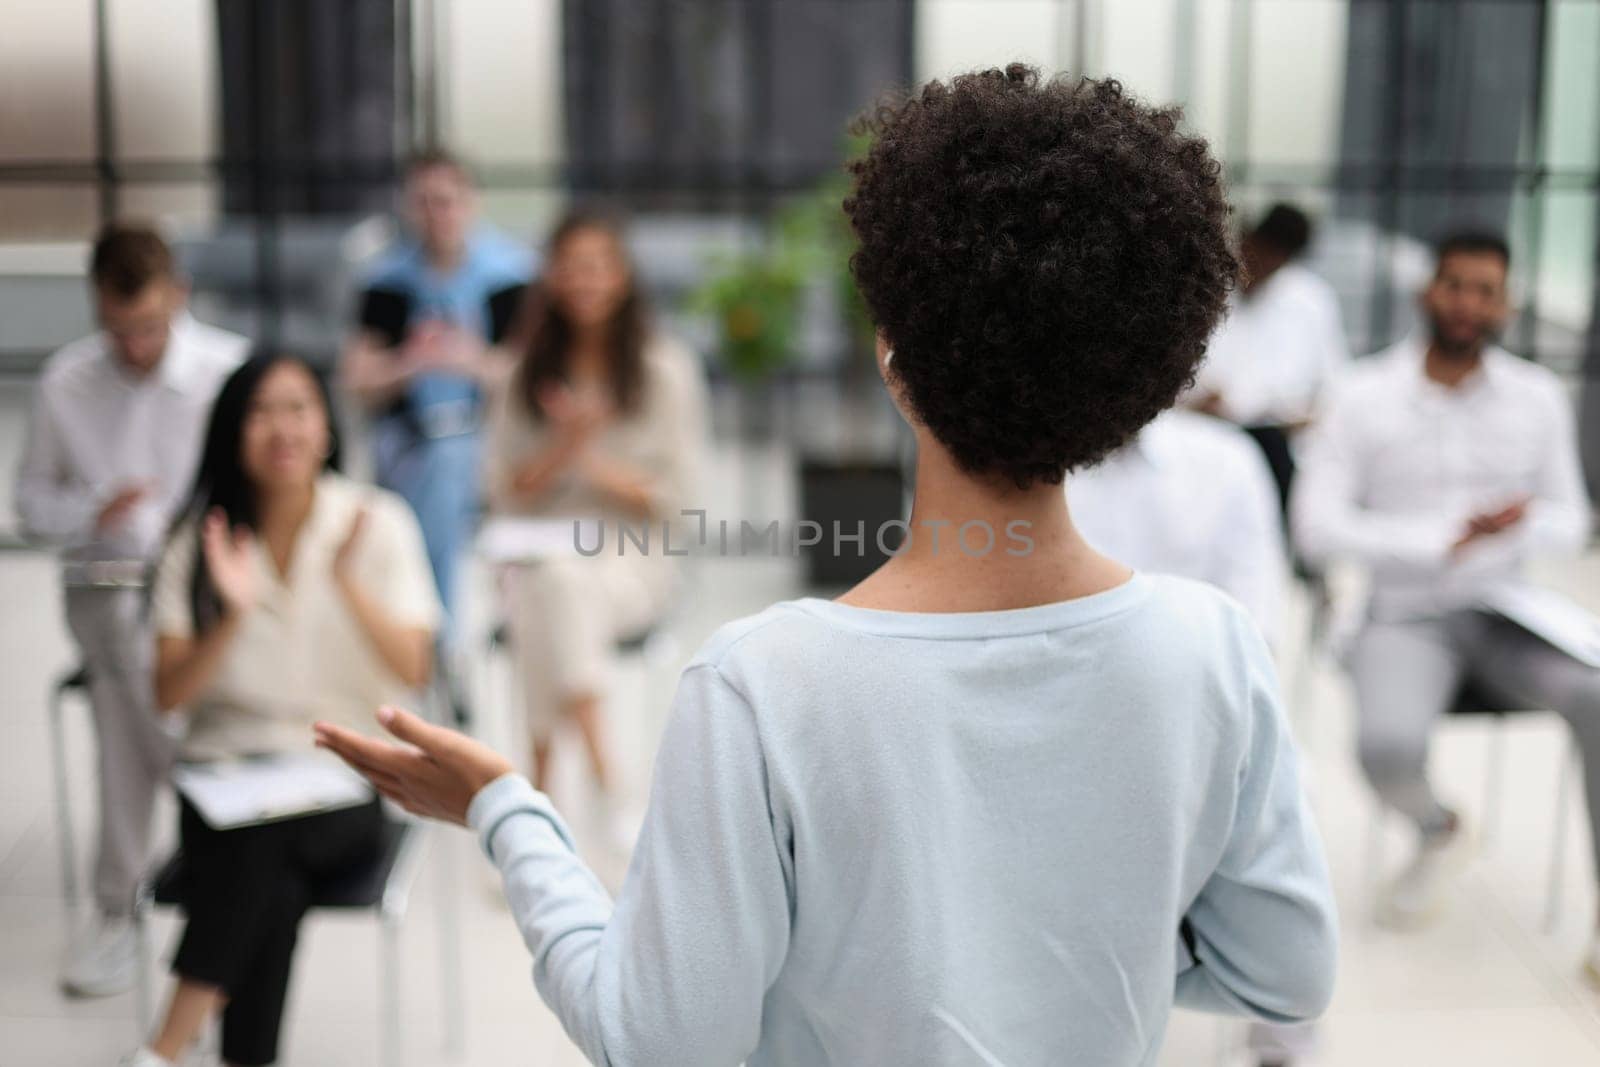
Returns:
point(981, 818)
point(996, 837)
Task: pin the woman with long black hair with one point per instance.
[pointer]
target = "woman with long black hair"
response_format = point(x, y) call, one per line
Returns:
point(287, 594)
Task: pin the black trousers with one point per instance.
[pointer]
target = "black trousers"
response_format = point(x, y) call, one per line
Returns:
point(244, 892)
point(1274, 444)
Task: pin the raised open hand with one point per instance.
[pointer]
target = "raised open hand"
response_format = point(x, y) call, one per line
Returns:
point(344, 555)
point(435, 772)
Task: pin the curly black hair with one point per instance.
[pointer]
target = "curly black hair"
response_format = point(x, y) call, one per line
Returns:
point(1047, 259)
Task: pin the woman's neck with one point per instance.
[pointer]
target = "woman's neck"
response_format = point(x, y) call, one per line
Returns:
point(984, 546)
point(590, 356)
point(282, 513)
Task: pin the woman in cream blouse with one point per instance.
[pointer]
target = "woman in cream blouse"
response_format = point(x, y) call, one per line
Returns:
point(602, 417)
point(289, 594)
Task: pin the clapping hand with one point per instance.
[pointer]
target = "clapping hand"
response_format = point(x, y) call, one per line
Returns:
point(459, 351)
point(116, 510)
point(1489, 523)
point(344, 555)
point(229, 561)
point(442, 346)
point(576, 413)
point(434, 772)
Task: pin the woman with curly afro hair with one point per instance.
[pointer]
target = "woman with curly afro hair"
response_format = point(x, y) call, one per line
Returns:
point(1004, 802)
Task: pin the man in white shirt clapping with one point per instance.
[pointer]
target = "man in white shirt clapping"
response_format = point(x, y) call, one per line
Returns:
point(110, 450)
point(1443, 464)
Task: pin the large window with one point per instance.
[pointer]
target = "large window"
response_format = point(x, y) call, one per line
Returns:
point(710, 102)
point(1389, 119)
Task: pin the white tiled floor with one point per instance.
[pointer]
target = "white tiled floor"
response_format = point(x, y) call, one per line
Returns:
point(1483, 987)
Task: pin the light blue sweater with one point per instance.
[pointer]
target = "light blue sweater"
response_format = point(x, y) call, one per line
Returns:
point(879, 837)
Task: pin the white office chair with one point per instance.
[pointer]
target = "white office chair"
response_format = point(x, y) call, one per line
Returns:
point(383, 888)
point(1471, 702)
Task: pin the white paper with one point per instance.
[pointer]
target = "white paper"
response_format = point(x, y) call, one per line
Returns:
point(233, 793)
point(1551, 617)
point(514, 540)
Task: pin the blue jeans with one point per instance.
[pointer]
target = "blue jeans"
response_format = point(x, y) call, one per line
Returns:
point(439, 478)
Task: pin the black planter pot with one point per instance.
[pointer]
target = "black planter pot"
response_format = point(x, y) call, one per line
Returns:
point(851, 497)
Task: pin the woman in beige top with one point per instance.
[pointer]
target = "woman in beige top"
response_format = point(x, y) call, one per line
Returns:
point(287, 595)
point(602, 418)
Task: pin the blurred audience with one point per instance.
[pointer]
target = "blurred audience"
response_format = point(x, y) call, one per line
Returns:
point(604, 418)
point(1280, 344)
point(422, 357)
point(287, 594)
point(1443, 464)
point(111, 446)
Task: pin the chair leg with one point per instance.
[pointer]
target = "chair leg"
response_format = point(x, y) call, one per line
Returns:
point(1305, 670)
point(1558, 846)
point(1494, 781)
point(64, 838)
point(389, 989)
point(144, 998)
point(451, 994)
point(1374, 853)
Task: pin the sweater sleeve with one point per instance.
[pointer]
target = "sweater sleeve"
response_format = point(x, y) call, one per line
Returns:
point(55, 508)
point(676, 971)
point(1263, 930)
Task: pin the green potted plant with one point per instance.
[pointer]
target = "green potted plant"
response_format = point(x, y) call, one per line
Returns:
point(754, 299)
point(844, 478)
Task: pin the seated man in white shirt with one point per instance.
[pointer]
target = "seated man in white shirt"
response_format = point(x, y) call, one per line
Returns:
point(111, 447)
point(1442, 464)
point(1279, 345)
point(1192, 496)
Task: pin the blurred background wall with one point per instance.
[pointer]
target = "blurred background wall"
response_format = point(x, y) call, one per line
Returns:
point(268, 128)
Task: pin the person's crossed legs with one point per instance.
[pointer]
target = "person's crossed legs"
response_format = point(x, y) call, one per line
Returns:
point(1407, 673)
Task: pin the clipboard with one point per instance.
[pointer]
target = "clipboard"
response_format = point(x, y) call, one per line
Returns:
point(1549, 616)
point(253, 790)
point(525, 540)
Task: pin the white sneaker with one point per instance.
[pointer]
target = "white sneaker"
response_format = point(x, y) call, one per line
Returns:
point(104, 959)
point(143, 1057)
point(1416, 896)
